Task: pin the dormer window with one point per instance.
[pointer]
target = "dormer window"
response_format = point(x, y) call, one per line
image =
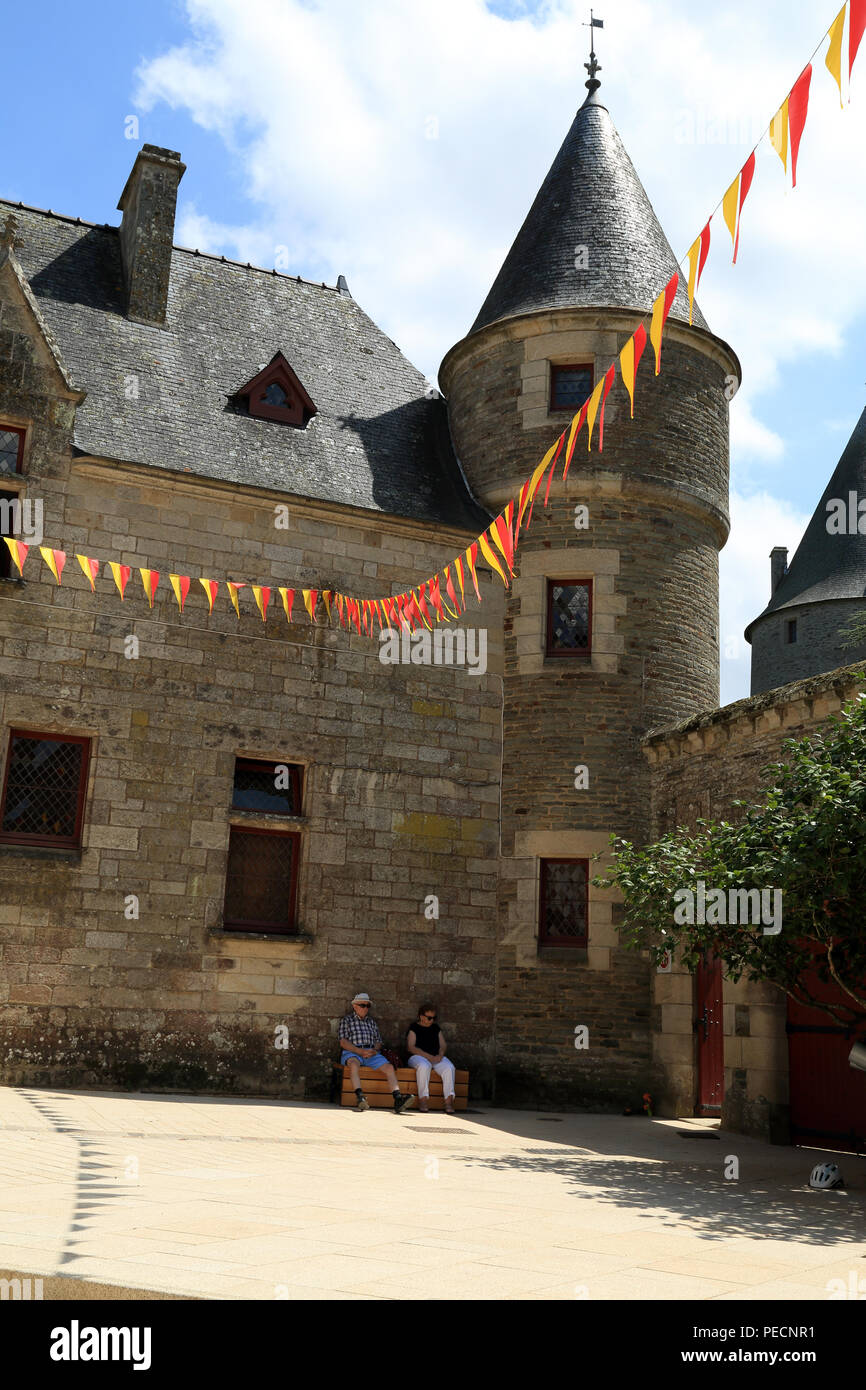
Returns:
point(277, 394)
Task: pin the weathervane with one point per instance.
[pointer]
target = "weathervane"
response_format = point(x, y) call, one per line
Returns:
point(593, 66)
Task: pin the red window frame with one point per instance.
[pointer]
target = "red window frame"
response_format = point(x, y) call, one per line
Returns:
point(73, 841)
point(580, 654)
point(569, 942)
point(19, 462)
point(555, 369)
point(272, 928)
point(258, 764)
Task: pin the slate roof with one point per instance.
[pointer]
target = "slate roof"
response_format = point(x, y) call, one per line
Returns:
point(827, 566)
point(591, 197)
point(376, 442)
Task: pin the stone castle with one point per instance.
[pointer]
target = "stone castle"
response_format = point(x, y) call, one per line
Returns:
point(167, 904)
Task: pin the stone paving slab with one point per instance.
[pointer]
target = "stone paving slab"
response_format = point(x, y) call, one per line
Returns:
point(198, 1197)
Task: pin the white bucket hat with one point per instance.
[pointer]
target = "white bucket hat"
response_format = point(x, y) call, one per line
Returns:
point(362, 999)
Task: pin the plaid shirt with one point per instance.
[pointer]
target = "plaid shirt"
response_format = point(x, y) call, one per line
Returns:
point(363, 1032)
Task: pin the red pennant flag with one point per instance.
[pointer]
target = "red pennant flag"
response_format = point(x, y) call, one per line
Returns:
point(581, 421)
point(609, 379)
point(436, 599)
point(798, 106)
point(211, 588)
point(856, 27)
point(458, 565)
point(559, 443)
point(747, 173)
point(311, 597)
point(500, 532)
point(356, 615)
point(449, 589)
point(327, 595)
point(661, 309)
point(422, 605)
point(522, 502)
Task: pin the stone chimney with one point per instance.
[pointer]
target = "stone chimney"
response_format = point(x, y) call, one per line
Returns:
point(778, 566)
point(147, 231)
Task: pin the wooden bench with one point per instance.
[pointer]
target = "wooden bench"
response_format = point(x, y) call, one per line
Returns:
point(378, 1095)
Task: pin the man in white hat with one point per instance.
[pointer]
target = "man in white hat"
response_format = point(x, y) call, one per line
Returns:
point(361, 1040)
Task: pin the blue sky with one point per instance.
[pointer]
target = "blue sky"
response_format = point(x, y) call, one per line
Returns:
point(401, 144)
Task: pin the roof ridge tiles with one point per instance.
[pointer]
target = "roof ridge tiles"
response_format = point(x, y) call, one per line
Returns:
point(187, 250)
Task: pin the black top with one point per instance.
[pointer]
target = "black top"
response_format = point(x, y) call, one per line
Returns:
point(427, 1038)
point(592, 198)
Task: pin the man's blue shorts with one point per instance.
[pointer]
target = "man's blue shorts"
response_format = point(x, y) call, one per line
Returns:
point(374, 1062)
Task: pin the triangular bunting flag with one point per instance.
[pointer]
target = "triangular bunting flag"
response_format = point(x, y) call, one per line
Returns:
point(233, 594)
point(262, 596)
point(798, 106)
point(288, 598)
point(54, 559)
point(211, 588)
point(91, 569)
point(629, 359)
point(18, 551)
point(180, 584)
point(661, 309)
point(149, 581)
point(121, 576)
point(833, 60)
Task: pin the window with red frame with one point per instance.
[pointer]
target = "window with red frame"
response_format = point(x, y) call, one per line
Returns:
point(11, 449)
point(44, 788)
point(569, 617)
point(563, 902)
point(570, 386)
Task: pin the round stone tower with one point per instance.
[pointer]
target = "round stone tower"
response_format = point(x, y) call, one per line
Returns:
point(813, 600)
point(611, 625)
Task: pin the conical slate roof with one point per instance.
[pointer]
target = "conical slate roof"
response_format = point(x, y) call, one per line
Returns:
point(591, 197)
point(825, 565)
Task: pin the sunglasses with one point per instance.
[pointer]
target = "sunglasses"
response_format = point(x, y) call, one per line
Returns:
point(431, 1018)
point(362, 1006)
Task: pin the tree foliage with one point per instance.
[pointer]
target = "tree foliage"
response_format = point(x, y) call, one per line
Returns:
point(807, 837)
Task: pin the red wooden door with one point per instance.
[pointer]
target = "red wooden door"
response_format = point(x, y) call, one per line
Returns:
point(828, 1097)
point(711, 1041)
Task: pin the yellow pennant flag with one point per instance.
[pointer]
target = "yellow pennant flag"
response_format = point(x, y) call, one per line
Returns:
point(458, 565)
point(149, 581)
point(490, 557)
point(288, 598)
point(834, 52)
point(211, 588)
point(180, 584)
point(54, 559)
point(91, 569)
point(18, 550)
point(592, 411)
point(729, 208)
point(262, 596)
point(779, 132)
point(121, 576)
point(233, 594)
point(310, 600)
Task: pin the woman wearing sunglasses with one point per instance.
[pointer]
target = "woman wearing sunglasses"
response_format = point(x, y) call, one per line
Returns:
point(425, 1044)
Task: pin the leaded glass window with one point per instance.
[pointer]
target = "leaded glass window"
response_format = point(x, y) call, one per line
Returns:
point(569, 617)
point(11, 450)
point(563, 910)
point(43, 794)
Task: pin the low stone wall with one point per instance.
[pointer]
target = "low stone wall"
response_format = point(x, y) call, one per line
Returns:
point(698, 768)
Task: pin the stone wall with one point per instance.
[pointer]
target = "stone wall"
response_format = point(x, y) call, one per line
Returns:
point(698, 769)
point(401, 783)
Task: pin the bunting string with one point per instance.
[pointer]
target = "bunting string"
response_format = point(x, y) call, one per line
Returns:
point(497, 545)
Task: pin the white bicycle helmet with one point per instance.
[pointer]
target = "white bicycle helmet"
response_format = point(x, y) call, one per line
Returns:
point(826, 1175)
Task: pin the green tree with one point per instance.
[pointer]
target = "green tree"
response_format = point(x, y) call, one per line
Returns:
point(805, 836)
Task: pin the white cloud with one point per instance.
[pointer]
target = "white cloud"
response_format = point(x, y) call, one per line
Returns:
point(758, 523)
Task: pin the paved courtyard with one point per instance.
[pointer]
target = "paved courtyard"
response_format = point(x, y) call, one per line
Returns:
point(178, 1196)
